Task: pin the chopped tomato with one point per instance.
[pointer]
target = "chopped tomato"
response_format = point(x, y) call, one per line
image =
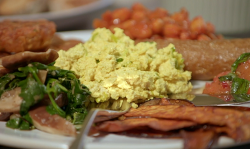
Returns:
point(243, 70)
point(219, 89)
point(222, 89)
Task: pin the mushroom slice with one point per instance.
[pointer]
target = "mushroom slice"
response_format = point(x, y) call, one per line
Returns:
point(54, 124)
point(10, 101)
point(4, 71)
point(23, 58)
point(42, 75)
point(61, 100)
point(4, 116)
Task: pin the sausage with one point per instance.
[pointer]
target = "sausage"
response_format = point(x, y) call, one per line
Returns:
point(206, 59)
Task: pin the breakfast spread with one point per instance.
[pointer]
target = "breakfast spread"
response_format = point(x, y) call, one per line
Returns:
point(137, 60)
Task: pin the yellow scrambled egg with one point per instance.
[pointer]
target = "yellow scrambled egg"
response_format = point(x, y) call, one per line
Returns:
point(113, 67)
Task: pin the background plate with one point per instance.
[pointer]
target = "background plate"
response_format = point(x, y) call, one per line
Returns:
point(77, 17)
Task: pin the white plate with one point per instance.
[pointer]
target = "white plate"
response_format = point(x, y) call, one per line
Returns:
point(39, 139)
point(78, 16)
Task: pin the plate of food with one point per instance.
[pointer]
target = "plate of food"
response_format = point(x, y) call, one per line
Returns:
point(50, 83)
point(65, 13)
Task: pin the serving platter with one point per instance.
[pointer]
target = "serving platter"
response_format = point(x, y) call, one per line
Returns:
point(39, 139)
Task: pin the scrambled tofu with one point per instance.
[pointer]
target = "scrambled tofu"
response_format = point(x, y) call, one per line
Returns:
point(113, 67)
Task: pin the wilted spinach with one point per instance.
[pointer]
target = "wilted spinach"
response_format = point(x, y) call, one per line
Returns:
point(33, 91)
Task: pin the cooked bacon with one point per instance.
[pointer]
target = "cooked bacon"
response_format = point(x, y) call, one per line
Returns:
point(198, 139)
point(234, 119)
point(157, 124)
point(186, 113)
point(181, 102)
point(199, 127)
point(51, 123)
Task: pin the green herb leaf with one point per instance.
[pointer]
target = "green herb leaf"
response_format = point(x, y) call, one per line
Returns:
point(78, 118)
point(18, 123)
point(239, 89)
point(119, 60)
point(31, 92)
point(228, 77)
point(242, 58)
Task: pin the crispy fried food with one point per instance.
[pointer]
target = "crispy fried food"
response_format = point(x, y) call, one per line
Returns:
point(236, 120)
point(214, 115)
point(157, 124)
point(206, 59)
point(18, 36)
point(198, 139)
point(163, 118)
point(181, 102)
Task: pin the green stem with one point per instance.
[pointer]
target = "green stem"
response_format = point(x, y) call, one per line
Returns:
point(57, 108)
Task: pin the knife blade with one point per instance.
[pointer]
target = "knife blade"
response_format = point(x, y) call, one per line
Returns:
point(206, 100)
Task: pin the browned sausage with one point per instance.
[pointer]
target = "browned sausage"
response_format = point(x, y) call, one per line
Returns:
point(205, 59)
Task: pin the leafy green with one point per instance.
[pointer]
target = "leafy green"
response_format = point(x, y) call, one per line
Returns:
point(242, 58)
point(31, 92)
point(239, 89)
point(119, 60)
point(4, 81)
point(228, 77)
point(22, 123)
point(58, 81)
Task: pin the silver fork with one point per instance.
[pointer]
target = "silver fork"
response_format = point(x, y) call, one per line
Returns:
point(94, 115)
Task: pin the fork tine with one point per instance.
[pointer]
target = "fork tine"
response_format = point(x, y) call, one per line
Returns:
point(94, 115)
point(78, 143)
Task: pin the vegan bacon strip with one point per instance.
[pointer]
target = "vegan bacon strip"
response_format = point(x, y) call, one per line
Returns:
point(234, 119)
point(199, 127)
point(157, 124)
point(198, 139)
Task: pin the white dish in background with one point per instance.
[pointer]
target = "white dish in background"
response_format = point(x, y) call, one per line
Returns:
point(39, 139)
point(75, 17)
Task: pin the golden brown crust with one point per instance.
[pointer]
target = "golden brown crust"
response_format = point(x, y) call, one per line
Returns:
point(18, 36)
point(206, 59)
